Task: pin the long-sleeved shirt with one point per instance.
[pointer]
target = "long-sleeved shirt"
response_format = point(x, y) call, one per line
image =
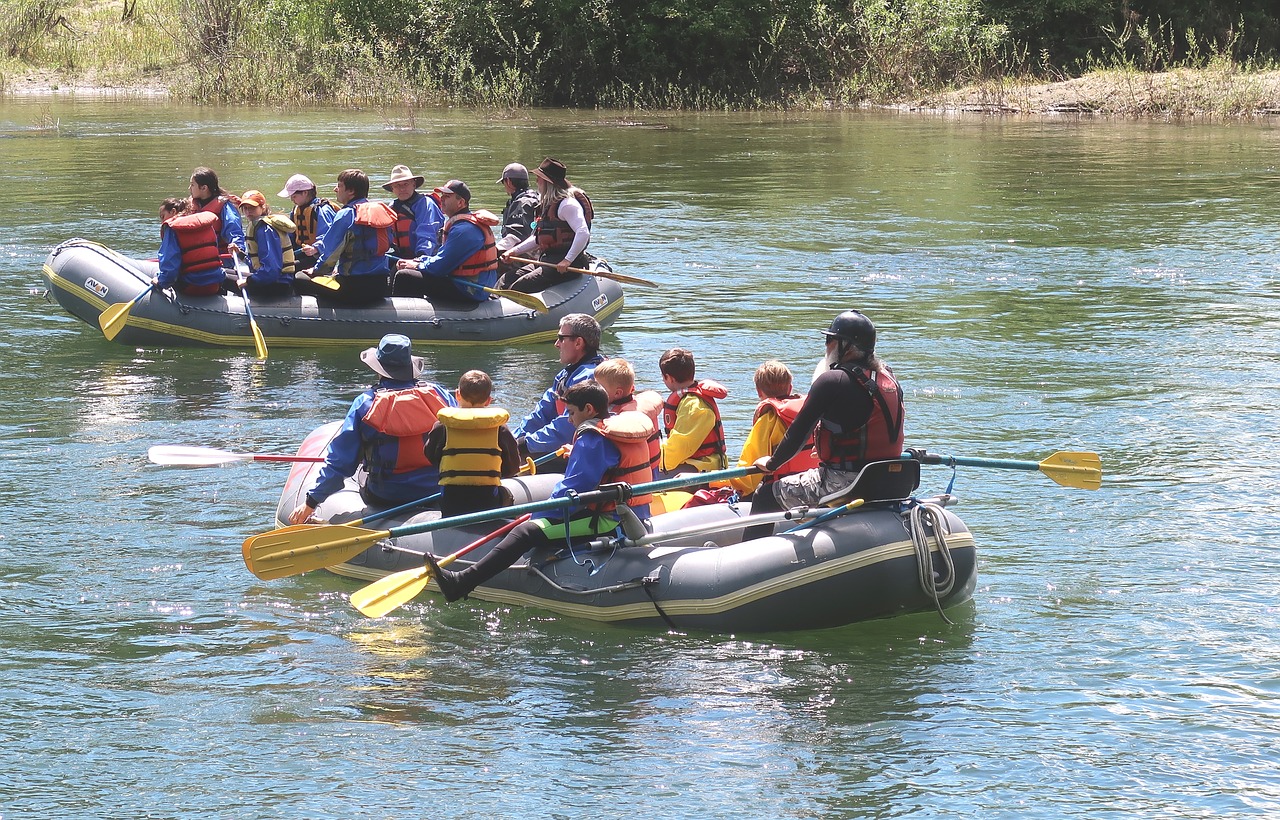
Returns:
point(344, 229)
point(427, 222)
point(517, 218)
point(462, 240)
point(570, 210)
point(269, 267)
point(545, 429)
point(694, 422)
point(592, 456)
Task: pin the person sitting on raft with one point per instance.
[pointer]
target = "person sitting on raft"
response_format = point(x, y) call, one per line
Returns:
point(778, 406)
point(467, 259)
point(356, 243)
point(311, 216)
point(520, 213)
point(386, 431)
point(472, 448)
point(563, 231)
point(270, 258)
point(606, 449)
point(695, 434)
point(189, 261)
point(547, 428)
point(418, 217)
point(206, 195)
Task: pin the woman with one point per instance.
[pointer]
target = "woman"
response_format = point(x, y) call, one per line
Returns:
point(206, 195)
point(562, 233)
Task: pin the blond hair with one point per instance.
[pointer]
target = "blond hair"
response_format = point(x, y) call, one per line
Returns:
point(616, 374)
point(773, 379)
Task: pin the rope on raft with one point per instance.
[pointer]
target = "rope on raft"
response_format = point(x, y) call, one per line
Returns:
point(923, 520)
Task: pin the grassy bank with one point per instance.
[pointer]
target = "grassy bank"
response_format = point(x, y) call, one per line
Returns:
point(924, 55)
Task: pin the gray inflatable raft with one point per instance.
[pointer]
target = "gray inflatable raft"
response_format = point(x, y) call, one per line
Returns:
point(863, 565)
point(86, 277)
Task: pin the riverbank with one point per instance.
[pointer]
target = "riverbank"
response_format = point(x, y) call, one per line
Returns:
point(1182, 94)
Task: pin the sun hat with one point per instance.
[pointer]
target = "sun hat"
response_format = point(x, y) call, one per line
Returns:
point(553, 171)
point(256, 197)
point(514, 172)
point(455, 186)
point(297, 182)
point(394, 359)
point(401, 173)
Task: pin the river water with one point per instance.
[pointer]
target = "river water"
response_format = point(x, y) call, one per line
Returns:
point(1038, 285)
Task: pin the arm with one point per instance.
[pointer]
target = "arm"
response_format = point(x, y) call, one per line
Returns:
point(526, 245)
point(694, 420)
point(571, 212)
point(433, 449)
point(592, 455)
point(463, 240)
point(761, 441)
point(331, 240)
point(426, 228)
point(270, 255)
point(170, 258)
point(342, 456)
point(233, 228)
point(510, 453)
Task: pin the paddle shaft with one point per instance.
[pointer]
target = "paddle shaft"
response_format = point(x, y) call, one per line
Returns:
point(994, 463)
point(178, 455)
point(634, 280)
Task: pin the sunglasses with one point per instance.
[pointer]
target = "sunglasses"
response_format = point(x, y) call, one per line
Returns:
point(560, 337)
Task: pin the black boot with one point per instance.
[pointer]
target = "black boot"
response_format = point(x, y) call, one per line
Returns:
point(446, 579)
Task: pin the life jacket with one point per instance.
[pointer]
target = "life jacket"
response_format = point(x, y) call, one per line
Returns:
point(631, 432)
point(564, 380)
point(486, 258)
point(554, 234)
point(373, 233)
point(471, 454)
point(307, 219)
point(524, 198)
point(786, 409)
point(401, 420)
point(215, 206)
point(650, 404)
point(197, 236)
point(707, 390)
point(404, 225)
point(879, 439)
point(285, 228)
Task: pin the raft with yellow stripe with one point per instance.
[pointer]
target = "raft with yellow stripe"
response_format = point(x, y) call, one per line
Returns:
point(875, 561)
point(85, 278)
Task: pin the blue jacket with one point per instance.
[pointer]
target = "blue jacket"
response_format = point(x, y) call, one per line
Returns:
point(462, 240)
point(344, 222)
point(170, 259)
point(592, 456)
point(270, 270)
point(346, 453)
point(544, 430)
point(427, 222)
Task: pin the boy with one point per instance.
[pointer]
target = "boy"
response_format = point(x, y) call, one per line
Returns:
point(695, 435)
point(473, 448)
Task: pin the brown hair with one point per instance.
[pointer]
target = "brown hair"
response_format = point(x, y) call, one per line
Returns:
point(773, 379)
point(355, 181)
point(475, 387)
point(208, 178)
point(175, 206)
point(587, 393)
point(678, 364)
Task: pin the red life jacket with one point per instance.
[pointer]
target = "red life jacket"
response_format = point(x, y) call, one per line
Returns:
point(197, 236)
point(375, 235)
point(402, 419)
point(485, 259)
point(632, 433)
point(403, 239)
point(707, 390)
point(554, 234)
point(786, 409)
point(215, 206)
point(879, 439)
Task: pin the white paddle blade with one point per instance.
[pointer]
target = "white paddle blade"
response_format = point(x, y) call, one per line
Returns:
point(176, 455)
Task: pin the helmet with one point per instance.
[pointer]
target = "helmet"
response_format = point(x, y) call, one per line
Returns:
point(853, 326)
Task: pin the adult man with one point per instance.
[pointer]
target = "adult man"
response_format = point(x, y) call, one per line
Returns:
point(518, 214)
point(311, 215)
point(418, 217)
point(548, 428)
point(356, 242)
point(606, 449)
point(385, 430)
point(858, 408)
point(466, 261)
point(565, 214)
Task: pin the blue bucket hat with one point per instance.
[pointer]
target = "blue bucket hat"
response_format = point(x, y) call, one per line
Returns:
point(394, 359)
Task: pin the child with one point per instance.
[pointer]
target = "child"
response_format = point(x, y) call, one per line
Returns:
point(618, 378)
point(695, 435)
point(189, 259)
point(473, 448)
point(270, 243)
point(775, 412)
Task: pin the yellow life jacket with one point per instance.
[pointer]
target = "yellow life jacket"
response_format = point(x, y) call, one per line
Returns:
point(471, 456)
point(283, 226)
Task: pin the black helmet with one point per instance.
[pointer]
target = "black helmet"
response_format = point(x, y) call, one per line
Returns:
point(853, 326)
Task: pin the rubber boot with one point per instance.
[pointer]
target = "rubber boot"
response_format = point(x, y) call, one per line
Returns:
point(457, 585)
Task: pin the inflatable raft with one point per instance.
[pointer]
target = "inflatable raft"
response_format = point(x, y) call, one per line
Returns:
point(86, 277)
point(696, 572)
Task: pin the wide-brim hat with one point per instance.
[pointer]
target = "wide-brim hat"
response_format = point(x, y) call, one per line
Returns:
point(297, 182)
point(401, 173)
point(394, 359)
point(553, 171)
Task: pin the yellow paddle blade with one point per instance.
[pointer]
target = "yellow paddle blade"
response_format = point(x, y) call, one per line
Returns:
point(259, 343)
point(304, 547)
point(391, 592)
point(670, 501)
point(330, 282)
point(1080, 470)
point(113, 319)
point(523, 299)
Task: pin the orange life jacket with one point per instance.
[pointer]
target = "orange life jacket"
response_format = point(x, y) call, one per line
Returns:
point(632, 433)
point(649, 403)
point(879, 439)
point(708, 390)
point(786, 409)
point(197, 236)
point(377, 219)
point(486, 258)
point(402, 419)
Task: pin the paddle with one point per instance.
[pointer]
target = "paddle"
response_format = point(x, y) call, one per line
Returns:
point(1080, 470)
point(292, 550)
point(177, 455)
point(531, 465)
point(397, 589)
point(603, 274)
point(523, 299)
point(242, 273)
point(114, 318)
point(828, 515)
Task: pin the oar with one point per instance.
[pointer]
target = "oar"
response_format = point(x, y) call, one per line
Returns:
point(828, 515)
point(397, 589)
point(531, 465)
point(523, 299)
point(1080, 470)
point(603, 274)
point(114, 318)
point(242, 273)
point(177, 455)
point(302, 548)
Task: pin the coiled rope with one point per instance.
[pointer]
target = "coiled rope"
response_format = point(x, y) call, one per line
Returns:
point(925, 520)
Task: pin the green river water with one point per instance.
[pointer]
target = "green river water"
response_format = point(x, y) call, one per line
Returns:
point(1038, 286)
